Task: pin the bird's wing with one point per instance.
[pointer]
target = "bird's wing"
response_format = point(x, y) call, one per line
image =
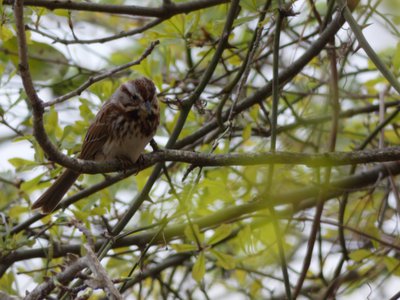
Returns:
point(97, 134)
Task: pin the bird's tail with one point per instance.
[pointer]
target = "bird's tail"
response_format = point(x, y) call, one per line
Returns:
point(49, 200)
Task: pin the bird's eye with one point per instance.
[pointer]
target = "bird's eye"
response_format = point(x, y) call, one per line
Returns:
point(135, 97)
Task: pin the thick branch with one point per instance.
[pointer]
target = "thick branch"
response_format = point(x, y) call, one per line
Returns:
point(158, 12)
point(235, 159)
point(42, 290)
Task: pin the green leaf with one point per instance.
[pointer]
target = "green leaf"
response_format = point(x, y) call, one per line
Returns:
point(199, 267)
point(321, 7)
point(5, 33)
point(98, 211)
point(243, 20)
point(217, 190)
point(193, 233)
point(220, 233)
point(39, 153)
point(21, 163)
point(103, 89)
point(184, 247)
point(246, 132)
point(72, 79)
point(85, 110)
point(240, 276)
point(359, 255)
point(254, 112)
point(31, 185)
point(2, 69)
point(81, 214)
point(193, 23)
point(393, 265)
point(142, 178)
point(396, 57)
point(224, 260)
point(15, 211)
point(7, 282)
point(255, 289)
point(51, 123)
point(46, 63)
point(66, 132)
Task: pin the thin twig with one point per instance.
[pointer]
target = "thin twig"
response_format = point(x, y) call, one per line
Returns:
point(122, 34)
point(334, 101)
point(274, 120)
point(244, 70)
point(68, 274)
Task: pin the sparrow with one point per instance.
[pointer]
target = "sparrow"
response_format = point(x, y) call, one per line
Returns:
point(122, 128)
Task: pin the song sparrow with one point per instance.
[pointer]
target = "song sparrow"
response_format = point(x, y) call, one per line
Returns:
point(122, 128)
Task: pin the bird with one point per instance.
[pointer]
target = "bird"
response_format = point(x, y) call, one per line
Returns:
point(122, 128)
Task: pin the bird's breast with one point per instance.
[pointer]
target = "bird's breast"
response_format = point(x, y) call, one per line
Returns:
point(128, 138)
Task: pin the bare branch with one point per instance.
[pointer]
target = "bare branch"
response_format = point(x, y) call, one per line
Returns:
point(101, 277)
point(235, 159)
point(130, 33)
point(44, 289)
point(133, 10)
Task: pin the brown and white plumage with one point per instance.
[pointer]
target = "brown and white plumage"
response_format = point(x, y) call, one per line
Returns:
point(121, 130)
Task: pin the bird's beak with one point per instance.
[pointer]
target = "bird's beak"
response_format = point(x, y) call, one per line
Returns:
point(148, 106)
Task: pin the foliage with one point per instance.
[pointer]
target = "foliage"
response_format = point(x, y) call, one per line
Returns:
point(206, 232)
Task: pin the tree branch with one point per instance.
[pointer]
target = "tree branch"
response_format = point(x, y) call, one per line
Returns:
point(122, 34)
point(133, 10)
point(247, 159)
point(45, 288)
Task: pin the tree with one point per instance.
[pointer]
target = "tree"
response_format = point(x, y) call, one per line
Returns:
point(273, 172)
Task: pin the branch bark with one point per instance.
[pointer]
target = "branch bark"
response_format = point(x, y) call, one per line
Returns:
point(247, 159)
point(42, 290)
point(133, 10)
